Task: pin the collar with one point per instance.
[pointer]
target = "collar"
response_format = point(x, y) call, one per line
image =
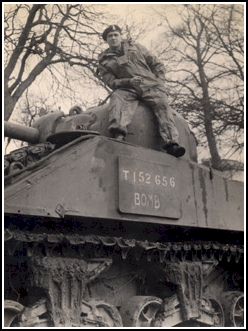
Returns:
point(110, 53)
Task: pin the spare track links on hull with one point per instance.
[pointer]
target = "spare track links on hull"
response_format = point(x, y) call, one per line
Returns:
point(63, 279)
point(26, 156)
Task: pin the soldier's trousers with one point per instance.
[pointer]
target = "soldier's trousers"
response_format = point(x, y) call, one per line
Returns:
point(123, 104)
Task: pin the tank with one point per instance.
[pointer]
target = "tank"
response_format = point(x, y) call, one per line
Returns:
point(108, 233)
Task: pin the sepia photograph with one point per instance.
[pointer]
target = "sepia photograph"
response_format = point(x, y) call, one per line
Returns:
point(124, 165)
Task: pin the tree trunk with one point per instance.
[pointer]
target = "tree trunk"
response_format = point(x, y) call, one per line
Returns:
point(9, 104)
point(207, 109)
point(215, 157)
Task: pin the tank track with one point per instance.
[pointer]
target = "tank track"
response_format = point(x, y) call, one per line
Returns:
point(161, 252)
point(67, 263)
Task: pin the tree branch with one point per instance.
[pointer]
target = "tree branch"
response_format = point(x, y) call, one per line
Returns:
point(21, 42)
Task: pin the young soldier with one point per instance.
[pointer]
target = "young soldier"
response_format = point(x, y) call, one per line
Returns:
point(134, 74)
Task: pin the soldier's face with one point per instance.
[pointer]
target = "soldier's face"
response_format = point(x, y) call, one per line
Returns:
point(114, 39)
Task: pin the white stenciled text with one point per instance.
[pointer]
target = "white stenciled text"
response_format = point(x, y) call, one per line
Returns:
point(147, 178)
point(146, 200)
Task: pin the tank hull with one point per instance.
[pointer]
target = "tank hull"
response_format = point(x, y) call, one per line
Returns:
point(101, 233)
point(125, 182)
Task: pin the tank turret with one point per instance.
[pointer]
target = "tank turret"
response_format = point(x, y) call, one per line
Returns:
point(59, 129)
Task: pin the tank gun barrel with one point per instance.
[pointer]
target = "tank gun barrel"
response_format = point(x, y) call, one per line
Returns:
point(20, 132)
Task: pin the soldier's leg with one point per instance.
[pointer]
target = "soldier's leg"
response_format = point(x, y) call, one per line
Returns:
point(123, 104)
point(156, 99)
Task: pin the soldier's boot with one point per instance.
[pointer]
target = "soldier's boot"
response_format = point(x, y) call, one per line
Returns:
point(120, 137)
point(117, 134)
point(174, 149)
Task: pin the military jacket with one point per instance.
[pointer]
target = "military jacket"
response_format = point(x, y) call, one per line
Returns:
point(115, 69)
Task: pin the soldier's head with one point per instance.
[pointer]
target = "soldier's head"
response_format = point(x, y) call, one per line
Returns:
point(112, 35)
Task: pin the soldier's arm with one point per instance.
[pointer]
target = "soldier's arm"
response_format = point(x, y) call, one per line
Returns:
point(110, 79)
point(153, 62)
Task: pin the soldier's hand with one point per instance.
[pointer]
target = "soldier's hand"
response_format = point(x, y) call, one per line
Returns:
point(136, 81)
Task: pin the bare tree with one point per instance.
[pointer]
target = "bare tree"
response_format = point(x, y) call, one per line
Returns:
point(204, 57)
point(32, 108)
point(226, 23)
point(38, 37)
